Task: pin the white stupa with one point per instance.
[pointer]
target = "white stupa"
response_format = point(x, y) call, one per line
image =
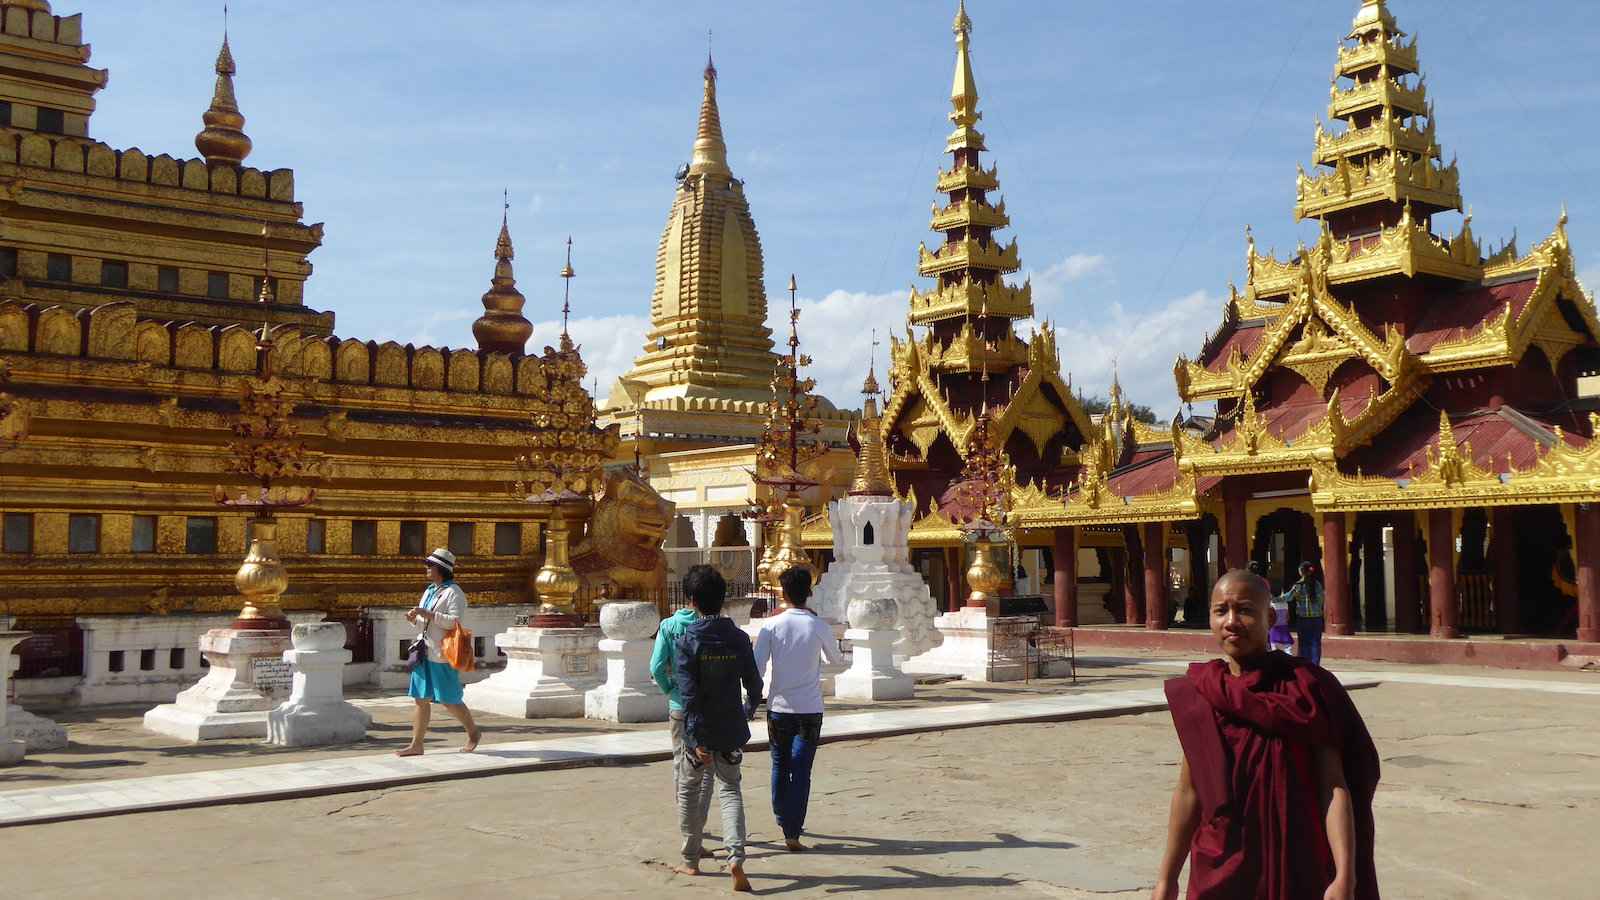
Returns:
point(871, 549)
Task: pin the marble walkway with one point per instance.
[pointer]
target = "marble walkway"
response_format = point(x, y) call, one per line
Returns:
point(299, 779)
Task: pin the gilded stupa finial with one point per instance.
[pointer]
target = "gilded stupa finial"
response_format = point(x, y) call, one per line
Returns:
point(710, 152)
point(502, 327)
point(872, 464)
point(964, 91)
point(223, 141)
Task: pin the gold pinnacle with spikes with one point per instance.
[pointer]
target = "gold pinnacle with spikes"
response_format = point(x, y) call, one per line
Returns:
point(502, 327)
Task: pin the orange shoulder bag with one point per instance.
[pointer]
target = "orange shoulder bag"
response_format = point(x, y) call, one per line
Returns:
point(457, 649)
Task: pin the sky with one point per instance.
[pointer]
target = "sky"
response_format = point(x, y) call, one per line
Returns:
point(1134, 140)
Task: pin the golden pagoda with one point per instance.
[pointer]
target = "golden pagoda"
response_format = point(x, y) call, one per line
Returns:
point(694, 404)
point(1389, 399)
point(138, 293)
point(968, 357)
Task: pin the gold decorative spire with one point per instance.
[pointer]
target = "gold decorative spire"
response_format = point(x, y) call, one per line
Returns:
point(223, 141)
point(964, 91)
point(710, 153)
point(502, 327)
point(567, 274)
point(872, 465)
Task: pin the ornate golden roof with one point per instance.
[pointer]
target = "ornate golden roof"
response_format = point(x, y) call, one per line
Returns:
point(708, 339)
point(872, 463)
point(502, 327)
point(223, 141)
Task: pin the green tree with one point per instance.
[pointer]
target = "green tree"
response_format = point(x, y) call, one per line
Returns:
point(1096, 404)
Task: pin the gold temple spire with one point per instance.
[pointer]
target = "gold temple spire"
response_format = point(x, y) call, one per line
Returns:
point(964, 90)
point(502, 327)
point(567, 274)
point(872, 464)
point(223, 141)
point(710, 153)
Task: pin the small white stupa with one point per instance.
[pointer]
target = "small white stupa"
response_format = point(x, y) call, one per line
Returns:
point(871, 550)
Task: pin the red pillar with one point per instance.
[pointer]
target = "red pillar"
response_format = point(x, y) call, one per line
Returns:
point(1065, 556)
point(1407, 601)
point(1442, 611)
point(1155, 576)
point(1133, 581)
point(954, 572)
point(1503, 562)
point(1586, 553)
point(1235, 543)
point(1336, 574)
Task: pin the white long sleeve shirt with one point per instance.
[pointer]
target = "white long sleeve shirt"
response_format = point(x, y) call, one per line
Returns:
point(796, 641)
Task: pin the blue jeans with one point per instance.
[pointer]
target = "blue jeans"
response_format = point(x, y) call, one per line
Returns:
point(1310, 633)
point(794, 738)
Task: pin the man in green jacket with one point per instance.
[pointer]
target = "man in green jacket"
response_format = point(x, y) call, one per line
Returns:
point(663, 663)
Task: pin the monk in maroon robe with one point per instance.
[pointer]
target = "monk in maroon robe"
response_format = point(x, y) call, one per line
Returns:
point(1274, 799)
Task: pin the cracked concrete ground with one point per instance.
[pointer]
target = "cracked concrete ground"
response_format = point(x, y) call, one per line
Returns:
point(1486, 794)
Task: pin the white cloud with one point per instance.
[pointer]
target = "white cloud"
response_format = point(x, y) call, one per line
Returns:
point(448, 328)
point(1140, 345)
point(836, 332)
point(609, 345)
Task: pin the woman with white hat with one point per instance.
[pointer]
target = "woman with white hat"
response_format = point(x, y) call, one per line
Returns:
point(432, 679)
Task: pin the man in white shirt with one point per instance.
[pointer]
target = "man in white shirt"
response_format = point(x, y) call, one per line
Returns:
point(797, 641)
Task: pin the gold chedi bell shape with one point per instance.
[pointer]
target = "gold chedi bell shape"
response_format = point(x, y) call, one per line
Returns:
point(983, 575)
point(223, 141)
point(261, 579)
point(556, 583)
point(789, 554)
point(502, 327)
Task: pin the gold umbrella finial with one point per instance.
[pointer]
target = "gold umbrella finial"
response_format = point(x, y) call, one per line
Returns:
point(223, 141)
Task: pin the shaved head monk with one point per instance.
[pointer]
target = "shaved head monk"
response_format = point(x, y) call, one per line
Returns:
point(1274, 799)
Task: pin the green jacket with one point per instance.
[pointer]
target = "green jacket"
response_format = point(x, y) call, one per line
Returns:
point(662, 661)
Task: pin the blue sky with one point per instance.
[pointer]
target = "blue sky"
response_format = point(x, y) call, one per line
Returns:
point(1135, 141)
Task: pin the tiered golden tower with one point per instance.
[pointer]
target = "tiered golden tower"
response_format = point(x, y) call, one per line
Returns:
point(970, 356)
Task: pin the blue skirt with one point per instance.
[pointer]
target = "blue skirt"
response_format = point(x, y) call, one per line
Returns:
point(437, 682)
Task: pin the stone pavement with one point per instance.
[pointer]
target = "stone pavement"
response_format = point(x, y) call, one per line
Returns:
point(1487, 794)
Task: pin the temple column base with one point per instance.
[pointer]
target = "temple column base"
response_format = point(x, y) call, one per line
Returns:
point(872, 674)
point(37, 732)
point(968, 650)
point(12, 748)
point(245, 681)
point(548, 673)
point(316, 713)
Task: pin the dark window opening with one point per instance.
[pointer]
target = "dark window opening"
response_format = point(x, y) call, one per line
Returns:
point(51, 121)
point(167, 279)
point(479, 646)
point(144, 534)
point(83, 534)
point(866, 534)
point(364, 538)
point(317, 536)
point(58, 267)
point(175, 659)
point(147, 660)
point(217, 285)
point(5, 113)
point(507, 538)
point(8, 262)
point(113, 274)
point(412, 537)
point(200, 535)
point(16, 533)
point(405, 649)
point(461, 534)
point(114, 661)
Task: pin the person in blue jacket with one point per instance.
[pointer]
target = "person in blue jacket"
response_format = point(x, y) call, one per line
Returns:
point(713, 660)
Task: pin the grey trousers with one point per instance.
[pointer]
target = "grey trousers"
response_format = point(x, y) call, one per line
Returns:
point(704, 773)
point(694, 799)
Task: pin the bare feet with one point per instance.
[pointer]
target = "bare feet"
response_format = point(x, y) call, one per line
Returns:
point(472, 741)
point(408, 751)
point(793, 845)
point(741, 884)
point(686, 869)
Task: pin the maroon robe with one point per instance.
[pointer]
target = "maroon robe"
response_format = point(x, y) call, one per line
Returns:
point(1250, 742)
